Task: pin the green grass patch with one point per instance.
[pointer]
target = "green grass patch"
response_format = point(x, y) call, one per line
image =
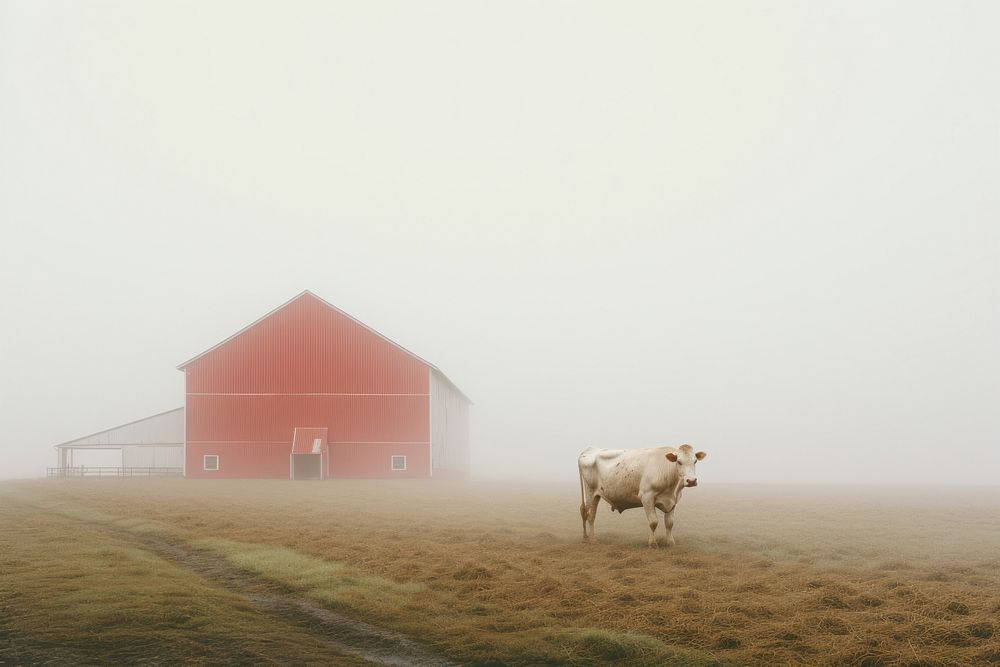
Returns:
point(487, 582)
point(603, 647)
point(322, 580)
point(73, 594)
point(130, 524)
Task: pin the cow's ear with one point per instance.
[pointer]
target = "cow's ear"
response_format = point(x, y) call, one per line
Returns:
point(671, 457)
point(700, 455)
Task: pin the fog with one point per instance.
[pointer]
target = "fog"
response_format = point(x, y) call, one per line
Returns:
point(769, 230)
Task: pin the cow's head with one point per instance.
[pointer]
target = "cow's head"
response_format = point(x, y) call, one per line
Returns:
point(686, 458)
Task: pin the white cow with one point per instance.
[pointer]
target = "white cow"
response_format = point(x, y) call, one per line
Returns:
point(648, 478)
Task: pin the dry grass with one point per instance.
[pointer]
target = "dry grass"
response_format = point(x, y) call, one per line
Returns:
point(73, 595)
point(494, 572)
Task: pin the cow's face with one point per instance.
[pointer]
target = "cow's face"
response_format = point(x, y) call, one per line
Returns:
point(686, 459)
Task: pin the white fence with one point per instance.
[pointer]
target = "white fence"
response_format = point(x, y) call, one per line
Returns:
point(108, 471)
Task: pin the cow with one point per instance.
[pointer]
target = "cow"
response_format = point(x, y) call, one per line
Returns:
point(650, 478)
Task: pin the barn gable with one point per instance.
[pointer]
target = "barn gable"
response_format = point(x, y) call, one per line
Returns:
point(307, 364)
point(318, 324)
point(306, 346)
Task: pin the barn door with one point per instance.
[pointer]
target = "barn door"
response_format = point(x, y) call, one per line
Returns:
point(307, 466)
point(309, 453)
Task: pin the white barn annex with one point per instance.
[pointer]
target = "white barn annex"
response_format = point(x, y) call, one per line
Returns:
point(150, 446)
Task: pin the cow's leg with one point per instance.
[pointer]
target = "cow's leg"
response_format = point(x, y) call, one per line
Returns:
point(668, 523)
point(595, 500)
point(650, 507)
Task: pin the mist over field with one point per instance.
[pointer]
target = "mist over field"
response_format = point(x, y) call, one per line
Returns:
point(767, 231)
point(483, 574)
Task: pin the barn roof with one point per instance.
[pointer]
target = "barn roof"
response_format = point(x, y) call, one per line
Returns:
point(163, 428)
point(329, 305)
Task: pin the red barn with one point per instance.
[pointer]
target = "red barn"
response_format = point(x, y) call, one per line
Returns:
point(309, 392)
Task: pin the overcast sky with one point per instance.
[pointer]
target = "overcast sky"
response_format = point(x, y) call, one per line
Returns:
point(768, 229)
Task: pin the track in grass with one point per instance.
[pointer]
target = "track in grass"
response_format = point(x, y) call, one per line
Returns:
point(339, 632)
point(760, 575)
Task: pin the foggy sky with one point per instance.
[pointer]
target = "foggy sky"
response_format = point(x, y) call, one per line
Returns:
point(767, 229)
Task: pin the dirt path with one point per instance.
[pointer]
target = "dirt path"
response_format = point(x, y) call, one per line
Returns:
point(341, 633)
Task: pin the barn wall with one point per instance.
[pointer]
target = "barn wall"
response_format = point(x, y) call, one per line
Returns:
point(449, 428)
point(272, 418)
point(307, 347)
point(239, 460)
point(306, 365)
point(374, 460)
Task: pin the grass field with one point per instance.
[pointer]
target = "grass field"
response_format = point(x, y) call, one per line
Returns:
point(489, 573)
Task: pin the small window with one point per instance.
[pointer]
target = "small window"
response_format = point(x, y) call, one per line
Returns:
point(317, 445)
point(211, 462)
point(398, 462)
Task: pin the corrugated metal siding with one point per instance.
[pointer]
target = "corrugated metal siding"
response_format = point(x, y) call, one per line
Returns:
point(306, 365)
point(375, 460)
point(241, 460)
point(153, 457)
point(307, 347)
point(271, 460)
point(273, 418)
point(449, 428)
point(165, 428)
